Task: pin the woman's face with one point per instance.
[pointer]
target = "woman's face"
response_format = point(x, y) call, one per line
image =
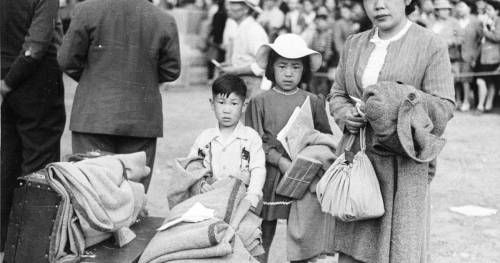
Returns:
point(443, 13)
point(330, 4)
point(387, 15)
point(345, 12)
point(287, 73)
point(308, 7)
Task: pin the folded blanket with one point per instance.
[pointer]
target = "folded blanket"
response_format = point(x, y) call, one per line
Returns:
point(250, 234)
point(239, 255)
point(184, 175)
point(103, 199)
point(214, 237)
point(309, 230)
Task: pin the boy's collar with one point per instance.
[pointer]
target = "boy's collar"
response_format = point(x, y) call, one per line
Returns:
point(236, 134)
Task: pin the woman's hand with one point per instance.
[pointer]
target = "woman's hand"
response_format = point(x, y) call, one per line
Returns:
point(283, 164)
point(354, 121)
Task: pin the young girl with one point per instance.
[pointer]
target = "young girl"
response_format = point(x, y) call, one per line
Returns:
point(288, 63)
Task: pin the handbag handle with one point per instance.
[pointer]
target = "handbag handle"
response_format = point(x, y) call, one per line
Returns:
point(362, 140)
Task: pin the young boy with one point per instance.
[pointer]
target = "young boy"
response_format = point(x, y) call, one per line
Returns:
point(232, 149)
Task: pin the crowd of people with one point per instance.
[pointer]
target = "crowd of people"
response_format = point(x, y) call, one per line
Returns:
point(390, 90)
point(469, 27)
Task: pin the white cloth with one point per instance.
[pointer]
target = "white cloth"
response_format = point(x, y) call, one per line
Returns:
point(224, 155)
point(245, 39)
point(463, 22)
point(377, 57)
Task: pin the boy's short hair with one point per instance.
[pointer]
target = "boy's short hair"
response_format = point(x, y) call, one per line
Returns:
point(229, 83)
point(273, 56)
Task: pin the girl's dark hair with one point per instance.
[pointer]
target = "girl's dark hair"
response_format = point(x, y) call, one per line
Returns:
point(273, 56)
point(227, 84)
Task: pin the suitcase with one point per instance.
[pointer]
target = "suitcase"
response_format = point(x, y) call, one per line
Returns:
point(34, 209)
point(32, 217)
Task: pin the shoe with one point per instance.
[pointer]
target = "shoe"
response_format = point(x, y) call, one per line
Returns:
point(465, 107)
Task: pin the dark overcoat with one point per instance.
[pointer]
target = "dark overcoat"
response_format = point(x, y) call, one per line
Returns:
point(119, 51)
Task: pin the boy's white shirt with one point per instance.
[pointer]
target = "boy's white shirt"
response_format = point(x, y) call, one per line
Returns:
point(226, 155)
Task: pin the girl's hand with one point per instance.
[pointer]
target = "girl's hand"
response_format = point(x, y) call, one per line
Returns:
point(354, 121)
point(206, 187)
point(284, 164)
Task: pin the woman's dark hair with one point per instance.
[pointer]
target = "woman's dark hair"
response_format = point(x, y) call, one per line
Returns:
point(227, 84)
point(273, 56)
point(411, 7)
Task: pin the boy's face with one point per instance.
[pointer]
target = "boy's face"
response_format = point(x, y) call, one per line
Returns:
point(321, 24)
point(227, 109)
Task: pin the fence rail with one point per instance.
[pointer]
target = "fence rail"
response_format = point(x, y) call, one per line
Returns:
point(460, 75)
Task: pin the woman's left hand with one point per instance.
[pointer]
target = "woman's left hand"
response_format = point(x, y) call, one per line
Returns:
point(354, 121)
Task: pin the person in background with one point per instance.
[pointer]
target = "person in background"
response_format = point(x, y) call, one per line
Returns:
point(361, 21)
point(271, 18)
point(396, 51)
point(322, 42)
point(244, 39)
point(329, 8)
point(231, 148)
point(118, 61)
point(31, 94)
point(489, 58)
point(215, 38)
point(448, 29)
point(469, 49)
point(308, 12)
point(342, 28)
point(427, 16)
point(294, 20)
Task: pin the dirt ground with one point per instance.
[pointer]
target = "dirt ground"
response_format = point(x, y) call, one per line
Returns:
point(468, 173)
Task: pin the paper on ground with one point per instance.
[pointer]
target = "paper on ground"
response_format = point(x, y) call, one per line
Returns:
point(197, 213)
point(472, 210)
point(298, 125)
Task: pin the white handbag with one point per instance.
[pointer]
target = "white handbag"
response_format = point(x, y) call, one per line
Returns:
point(351, 191)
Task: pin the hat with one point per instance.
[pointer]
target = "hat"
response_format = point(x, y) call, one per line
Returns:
point(289, 46)
point(401, 123)
point(254, 4)
point(442, 4)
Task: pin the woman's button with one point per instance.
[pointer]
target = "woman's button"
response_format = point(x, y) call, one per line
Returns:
point(411, 96)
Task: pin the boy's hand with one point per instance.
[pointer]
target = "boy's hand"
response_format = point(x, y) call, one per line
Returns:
point(284, 164)
point(253, 199)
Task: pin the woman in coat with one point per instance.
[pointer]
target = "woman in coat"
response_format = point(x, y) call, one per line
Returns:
point(407, 55)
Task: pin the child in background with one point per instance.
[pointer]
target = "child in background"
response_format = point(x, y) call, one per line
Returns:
point(230, 148)
point(288, 63)
point(322, 42)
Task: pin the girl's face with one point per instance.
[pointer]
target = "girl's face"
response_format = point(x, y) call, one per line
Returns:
point(388, 15)
point(287, 73)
